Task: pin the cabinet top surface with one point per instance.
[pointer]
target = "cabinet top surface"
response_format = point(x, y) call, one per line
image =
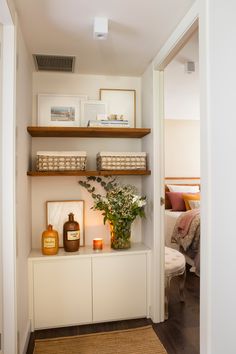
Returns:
point(88, 251)
point(87, 132)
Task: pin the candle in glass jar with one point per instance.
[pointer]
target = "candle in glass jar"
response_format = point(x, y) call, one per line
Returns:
point(97, 244)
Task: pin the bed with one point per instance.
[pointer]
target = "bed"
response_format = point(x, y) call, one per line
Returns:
point(182, 227)
point(170, 220)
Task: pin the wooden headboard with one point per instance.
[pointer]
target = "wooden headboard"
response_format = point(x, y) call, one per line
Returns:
point(187, 181)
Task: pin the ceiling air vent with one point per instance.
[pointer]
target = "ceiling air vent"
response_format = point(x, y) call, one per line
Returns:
point(54, 63)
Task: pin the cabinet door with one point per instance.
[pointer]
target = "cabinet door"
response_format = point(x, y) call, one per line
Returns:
point(62, 292)
point(119, 287)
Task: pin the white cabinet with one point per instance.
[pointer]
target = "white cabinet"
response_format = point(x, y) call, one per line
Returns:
point(87, 286)
point(62, 292)
point(119, 287)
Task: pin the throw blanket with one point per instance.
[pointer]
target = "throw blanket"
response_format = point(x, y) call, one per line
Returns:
point(185, 222)
point(186, 234)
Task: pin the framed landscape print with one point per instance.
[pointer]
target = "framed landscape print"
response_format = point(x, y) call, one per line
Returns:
point(59, 110)
point(120, 102)
point(57, 214)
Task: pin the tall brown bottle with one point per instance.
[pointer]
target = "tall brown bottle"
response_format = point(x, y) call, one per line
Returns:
point(71, 234)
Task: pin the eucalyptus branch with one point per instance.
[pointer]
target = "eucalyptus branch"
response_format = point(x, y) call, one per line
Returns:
point(120, 204)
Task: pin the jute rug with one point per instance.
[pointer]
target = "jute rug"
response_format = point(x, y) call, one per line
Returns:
point(141, 340)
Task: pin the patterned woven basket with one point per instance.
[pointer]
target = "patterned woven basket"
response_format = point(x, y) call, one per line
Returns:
point(122, 161)
point(61, 160)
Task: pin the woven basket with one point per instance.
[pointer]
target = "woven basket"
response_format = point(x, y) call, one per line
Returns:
point(61, 160)
point(122, 161)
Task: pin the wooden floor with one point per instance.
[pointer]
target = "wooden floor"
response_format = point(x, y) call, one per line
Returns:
point(179, 334)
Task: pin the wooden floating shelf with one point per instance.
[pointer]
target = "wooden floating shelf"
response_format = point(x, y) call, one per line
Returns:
point(89, 173)
point(74, 132)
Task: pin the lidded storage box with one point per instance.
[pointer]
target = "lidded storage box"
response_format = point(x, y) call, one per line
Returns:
point(61, 160)
point(121, 160)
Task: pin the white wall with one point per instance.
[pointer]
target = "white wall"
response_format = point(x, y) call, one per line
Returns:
point(182, 148)
point(218, 126)
point(23, 185)
point(63, 83)
point(1, 294)
point(67, 188)
point(9, 340)
point(181, 88)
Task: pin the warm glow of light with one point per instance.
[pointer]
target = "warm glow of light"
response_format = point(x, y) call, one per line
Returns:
point(97, 244)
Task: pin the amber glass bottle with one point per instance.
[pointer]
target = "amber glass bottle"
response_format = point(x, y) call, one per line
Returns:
point(71, 234)
point(50, 241)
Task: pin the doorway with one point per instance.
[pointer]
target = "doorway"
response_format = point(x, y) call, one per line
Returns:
point(177, 40)
point(181, 126)
point(181, 133)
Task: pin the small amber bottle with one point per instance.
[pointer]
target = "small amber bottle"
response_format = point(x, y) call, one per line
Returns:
point(71, 234)
point(50, 241)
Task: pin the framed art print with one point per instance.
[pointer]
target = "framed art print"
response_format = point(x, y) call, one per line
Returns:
point(91, 109)
point(59, 110)
point(120, 102)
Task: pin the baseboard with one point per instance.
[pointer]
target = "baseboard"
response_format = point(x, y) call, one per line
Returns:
point(25, 339)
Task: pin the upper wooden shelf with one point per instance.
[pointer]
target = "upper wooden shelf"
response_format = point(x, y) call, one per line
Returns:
point(73, 132)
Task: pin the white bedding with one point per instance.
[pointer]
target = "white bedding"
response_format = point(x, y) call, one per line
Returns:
point(170, 220)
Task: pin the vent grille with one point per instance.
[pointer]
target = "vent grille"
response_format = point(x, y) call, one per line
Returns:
point(54, 63)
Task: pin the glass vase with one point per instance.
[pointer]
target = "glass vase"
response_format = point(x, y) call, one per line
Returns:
point(120, 235)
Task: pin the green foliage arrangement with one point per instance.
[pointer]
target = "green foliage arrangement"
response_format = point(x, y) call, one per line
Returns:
point(120, 205)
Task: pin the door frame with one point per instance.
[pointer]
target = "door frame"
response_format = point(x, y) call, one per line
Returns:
point(176, 41)
point(7, 140)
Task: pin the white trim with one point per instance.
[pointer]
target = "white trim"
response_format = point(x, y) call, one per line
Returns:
point(158, 246)
point(8, 192)
point(206, 178)
point(1, 285)
point(184, 30)
point(5, 16)
point(25, 339)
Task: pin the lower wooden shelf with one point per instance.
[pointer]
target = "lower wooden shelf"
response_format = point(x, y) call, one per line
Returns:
point(89, 173)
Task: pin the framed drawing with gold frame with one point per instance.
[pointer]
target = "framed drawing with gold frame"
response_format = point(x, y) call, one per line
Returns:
point(120, 102)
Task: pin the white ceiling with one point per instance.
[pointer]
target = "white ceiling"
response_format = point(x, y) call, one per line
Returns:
point(137, 30)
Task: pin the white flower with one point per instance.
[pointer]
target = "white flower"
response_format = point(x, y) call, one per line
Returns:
point(141, 203)
point(135, 198)
point(104, 200)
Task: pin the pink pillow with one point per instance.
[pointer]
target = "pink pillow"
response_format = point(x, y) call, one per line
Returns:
point(177, 201)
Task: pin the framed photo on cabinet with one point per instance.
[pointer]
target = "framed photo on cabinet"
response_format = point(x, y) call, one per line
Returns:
point(59, 110)
point(57, 214)
point(120, 102)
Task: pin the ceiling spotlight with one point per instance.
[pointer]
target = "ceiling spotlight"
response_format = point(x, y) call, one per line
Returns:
point(100, 29)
